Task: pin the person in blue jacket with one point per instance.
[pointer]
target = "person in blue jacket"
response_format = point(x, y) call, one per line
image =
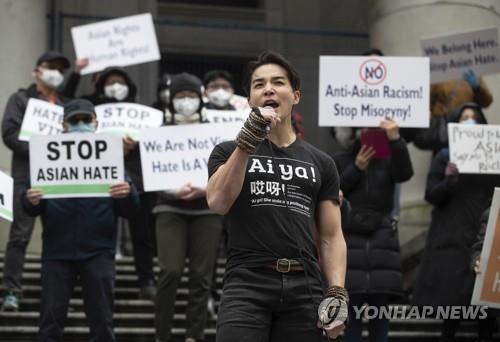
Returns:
point(78, 242)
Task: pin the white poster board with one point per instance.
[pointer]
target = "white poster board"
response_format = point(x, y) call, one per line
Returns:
point(475, 148)
point(127, 118)
point(117, 42)
point(487, 285)
point(454, 53)
point(227, 116)
point(362, 91)
point(76, 164)
point(6, 197)
point(41, 118)
point(172, 156)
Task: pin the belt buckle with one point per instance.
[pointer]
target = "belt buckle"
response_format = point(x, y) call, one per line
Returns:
point(283, 263)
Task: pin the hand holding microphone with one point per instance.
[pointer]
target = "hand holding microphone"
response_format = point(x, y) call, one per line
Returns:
point(255, 128)
point(270, 115)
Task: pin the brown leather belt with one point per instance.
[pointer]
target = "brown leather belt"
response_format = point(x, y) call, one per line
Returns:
point(285, 266)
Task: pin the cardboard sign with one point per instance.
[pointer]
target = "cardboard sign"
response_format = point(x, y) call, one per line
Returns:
point(76, 164)
point(453, 54)
point(118, 42)
point(362, 91)
point(127, 118)
point(6, 197)
point(487, 285)
point(41, 118)
point(173, 156)
point(227, 116)
point(475, 148)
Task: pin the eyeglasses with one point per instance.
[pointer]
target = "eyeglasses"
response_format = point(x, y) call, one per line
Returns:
point(76, 119)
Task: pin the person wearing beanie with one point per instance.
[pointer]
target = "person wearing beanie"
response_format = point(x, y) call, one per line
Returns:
point(49, 75)
point(219, 89)
point(186, 101)
point(185, 227)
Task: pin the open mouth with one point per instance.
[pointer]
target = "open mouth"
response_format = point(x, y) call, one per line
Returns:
point(271, 103)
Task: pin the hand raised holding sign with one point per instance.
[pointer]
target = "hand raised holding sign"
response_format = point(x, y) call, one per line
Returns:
point(364, 156)
point(128, 145)
point(81, 63)
point(34, 196)
point(120, 190)
point(451, 172)
point(391, 128)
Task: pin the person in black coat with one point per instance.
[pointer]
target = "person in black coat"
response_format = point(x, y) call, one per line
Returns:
point(373, 255)
point(445, 277)
point(114, 85)
point(48, 75)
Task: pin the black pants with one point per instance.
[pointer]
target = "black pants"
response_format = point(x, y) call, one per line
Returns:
point(180, 236)
point(141, 231)
point(97, 276)
point(378, 328)
point(485, 328)
point(260, 305)
point(19, 237)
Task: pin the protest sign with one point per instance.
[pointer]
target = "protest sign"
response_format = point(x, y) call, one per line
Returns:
point(454, 53)
point(172, 156)
point(41, 118)
point(487, 285)
point(362, 91)
point(76, 164)
point(6, 196)
point(226, 116)
point(127, 118)
point(475, 148)
point(117, 42)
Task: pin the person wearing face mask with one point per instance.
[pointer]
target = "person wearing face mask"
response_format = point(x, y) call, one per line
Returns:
point(48, 75)
point(459, 200)
point(115, 85)
point(78, 242)
point(163, 93)
point(373, 254)
point(218, 89)
point(185, 227)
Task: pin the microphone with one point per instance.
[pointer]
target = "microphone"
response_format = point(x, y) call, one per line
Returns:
point(268, 127)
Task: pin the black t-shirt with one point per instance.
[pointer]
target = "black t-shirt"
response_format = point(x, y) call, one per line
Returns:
point(261, 226)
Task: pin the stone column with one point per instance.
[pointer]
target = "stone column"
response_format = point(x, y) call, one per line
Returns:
point(396, 29)
point(23, 33)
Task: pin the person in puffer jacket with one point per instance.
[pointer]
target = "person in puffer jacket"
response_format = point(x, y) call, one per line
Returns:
point(185, 227)
point(373, 254)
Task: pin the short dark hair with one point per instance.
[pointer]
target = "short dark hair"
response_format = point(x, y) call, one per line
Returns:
point(373, 51)
point(270, 57)
point(212, 75)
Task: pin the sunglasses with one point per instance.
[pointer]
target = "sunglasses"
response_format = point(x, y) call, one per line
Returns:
point(76, 119)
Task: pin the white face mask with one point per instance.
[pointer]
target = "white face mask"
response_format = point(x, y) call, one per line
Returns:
point(186, 105)
point(51, 77)
point(469, 121)
point(116, 91)
point(344, 136)
point(220, 97)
